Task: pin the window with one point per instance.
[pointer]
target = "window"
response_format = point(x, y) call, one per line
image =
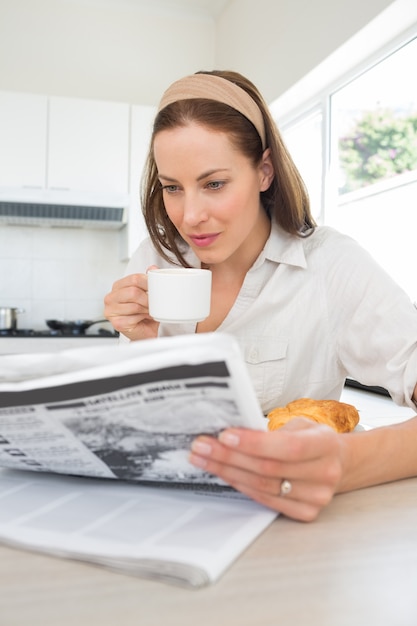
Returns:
point(357, 152)
point(374, 123)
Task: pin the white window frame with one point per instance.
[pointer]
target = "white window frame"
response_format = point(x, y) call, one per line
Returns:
point(287, 114)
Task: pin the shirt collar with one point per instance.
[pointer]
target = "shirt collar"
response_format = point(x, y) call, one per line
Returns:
point(281, 247)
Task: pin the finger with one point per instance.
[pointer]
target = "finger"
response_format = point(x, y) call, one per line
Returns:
point(129, 297)
point(120, 309)
point(264, 474)
point(133, 280)
point(294, 444)
point(304, 502)
point(298, 509)
point(210, 449)
point(315, 478)
point(137, 327)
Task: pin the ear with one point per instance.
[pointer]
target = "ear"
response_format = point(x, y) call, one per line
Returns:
point(266, 171)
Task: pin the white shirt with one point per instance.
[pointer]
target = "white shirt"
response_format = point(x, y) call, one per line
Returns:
point(310, 312)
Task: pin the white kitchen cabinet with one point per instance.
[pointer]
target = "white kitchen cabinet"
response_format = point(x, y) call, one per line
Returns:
point(64, 144)
point(23, 140)
point(88, 147)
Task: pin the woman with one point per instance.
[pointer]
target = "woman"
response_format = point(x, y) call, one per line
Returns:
point(307, 304)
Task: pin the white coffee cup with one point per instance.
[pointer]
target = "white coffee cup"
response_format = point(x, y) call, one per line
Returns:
point(179, 295)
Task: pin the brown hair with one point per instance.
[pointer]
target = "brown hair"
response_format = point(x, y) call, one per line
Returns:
point(286, 201)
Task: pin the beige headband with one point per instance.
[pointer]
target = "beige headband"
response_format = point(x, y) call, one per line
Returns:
point(212, 87)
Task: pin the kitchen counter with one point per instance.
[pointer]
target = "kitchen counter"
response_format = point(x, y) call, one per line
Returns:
point(375, 409)
point(24, 345)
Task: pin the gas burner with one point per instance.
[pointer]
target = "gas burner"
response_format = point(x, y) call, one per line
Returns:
point(29, 332)
point(17, 332)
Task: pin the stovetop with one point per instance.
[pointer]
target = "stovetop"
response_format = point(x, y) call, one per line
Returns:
point(30, 332)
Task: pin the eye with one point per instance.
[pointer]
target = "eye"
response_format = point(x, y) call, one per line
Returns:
point(170, 188)
point(215, 184)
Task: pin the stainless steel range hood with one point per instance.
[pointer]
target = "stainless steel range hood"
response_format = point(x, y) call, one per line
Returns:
point(62, 209)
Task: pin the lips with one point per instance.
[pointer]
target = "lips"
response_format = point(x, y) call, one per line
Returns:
point(202, 241)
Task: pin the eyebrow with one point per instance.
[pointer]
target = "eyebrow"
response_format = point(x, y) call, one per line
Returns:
point(201, 177)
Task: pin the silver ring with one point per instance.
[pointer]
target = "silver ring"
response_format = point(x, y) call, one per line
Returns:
point(286, 488)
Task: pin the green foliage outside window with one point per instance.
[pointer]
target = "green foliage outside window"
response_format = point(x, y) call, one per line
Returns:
point(380, 145)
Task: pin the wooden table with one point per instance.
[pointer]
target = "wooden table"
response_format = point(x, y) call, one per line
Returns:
point(354, 566)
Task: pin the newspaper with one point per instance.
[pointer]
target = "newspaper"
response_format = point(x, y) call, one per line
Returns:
point(127, 413)
point(180, 536)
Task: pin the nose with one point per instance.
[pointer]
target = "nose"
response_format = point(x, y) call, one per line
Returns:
point(194, 210)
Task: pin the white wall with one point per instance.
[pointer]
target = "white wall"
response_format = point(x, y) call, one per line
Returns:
point(276, 42)
point(107, 49)
point(56, 273)
point(119, 50)
point(369, 220)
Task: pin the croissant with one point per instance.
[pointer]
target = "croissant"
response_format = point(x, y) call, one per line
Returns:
point(340, 416)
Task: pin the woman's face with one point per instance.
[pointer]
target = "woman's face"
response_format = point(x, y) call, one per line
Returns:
point(211, 193)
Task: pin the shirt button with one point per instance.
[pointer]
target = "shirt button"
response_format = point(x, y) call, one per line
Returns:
point(253, 354)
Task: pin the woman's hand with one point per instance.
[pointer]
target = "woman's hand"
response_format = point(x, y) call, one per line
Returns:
point(126, 307)
point(308, 455)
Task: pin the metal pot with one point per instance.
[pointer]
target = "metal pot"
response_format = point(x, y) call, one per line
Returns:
point(8, 317)
point(67, 327)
